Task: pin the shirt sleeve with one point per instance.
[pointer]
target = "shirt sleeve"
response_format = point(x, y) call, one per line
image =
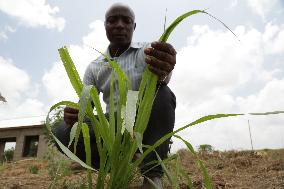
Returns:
point(89, 77)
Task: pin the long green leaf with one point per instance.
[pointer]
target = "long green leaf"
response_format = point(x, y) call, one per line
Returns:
point(207, 180)
point(84, 100)
point(182, 172)
point(167, 136)
point(169, 30)
point(205, 173)
point(168, 174)
point(86, 136)
point(71, 70)
point(111, 108)
point(62, 147)
point(152, 183)
point(73, 133)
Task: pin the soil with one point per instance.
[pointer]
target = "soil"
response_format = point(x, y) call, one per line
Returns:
point(262, 169)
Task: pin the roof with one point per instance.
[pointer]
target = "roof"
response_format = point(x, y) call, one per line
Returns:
point(21, 127)
point(22, 122)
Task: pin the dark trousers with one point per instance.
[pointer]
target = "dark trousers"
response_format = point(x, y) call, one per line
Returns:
point(161, 122)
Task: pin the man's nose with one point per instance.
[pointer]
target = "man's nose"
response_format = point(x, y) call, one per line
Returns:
point(120, 23)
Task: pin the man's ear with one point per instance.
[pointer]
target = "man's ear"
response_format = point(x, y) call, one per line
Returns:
point(134, 26)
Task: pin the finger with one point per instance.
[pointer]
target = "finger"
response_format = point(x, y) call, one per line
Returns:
point(161, 55)
point(166, 47)
point(161, 65)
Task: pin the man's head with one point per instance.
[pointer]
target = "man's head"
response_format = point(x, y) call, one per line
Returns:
point(119, 24)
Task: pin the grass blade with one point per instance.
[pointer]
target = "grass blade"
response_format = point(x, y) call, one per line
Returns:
point(169, 30)
point(153, 184)
point(84, 101)
point(73, 133)
point(201, 166)
point(168, 174)
point(167, 136)
point(71, 70)
point(86, 136)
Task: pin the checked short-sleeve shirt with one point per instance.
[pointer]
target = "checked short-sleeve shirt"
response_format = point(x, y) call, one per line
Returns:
point(132, 62)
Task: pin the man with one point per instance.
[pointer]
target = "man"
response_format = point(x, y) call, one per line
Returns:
point(132, 57)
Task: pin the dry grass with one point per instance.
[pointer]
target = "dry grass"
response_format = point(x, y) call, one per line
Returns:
point(233, 169)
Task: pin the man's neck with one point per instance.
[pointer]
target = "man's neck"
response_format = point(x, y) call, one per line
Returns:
point(117, 50)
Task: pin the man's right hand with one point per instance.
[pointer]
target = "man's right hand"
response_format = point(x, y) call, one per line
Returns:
point(70, 116)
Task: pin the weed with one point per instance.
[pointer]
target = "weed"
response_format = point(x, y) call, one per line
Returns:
point(33, 169)
point(8, 155)
point(58, 165)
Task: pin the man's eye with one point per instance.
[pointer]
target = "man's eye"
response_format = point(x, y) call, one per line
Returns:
point(127, 20)
point(111, 20)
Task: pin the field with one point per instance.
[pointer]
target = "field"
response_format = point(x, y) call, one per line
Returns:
point(233, 169)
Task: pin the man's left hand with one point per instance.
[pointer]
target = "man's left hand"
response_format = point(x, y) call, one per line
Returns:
point(162, 59)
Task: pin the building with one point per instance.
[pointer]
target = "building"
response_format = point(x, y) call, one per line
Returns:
point(30, 141)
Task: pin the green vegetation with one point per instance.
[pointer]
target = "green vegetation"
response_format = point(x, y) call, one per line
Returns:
point(33, 149)
point(117, 147)
point(8, 155)
point(33, 169)
point(58, 165)
point(205, 148)
point(56, 118)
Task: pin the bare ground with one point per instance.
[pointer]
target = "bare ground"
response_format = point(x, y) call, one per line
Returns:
point(243, 170)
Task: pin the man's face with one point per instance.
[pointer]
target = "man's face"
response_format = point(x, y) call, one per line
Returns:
point(119, 25)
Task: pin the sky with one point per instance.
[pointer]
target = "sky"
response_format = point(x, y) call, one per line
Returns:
point(215, 72)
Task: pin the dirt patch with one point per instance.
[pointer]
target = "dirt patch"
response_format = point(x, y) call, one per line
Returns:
point(241, 169)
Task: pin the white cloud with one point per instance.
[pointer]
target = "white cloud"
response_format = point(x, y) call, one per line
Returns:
point(273, 39)
point(262, 7)
point(4, 33)
point(14, 81)
point(215, 73)
point(33, 13)
point(20, 93)
point(234, 3)
point(55, 78)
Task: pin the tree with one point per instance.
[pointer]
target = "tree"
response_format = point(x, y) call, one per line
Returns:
point(2, 98)
point(205, 148)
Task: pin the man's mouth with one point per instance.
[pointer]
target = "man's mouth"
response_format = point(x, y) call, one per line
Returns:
point(119, 35)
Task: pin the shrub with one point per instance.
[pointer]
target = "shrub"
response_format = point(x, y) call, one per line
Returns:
point(58, 165)
point(205, 148)
point(33, 169)
point(8, 155)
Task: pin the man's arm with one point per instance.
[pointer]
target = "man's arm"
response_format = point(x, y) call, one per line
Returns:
point(162, 59)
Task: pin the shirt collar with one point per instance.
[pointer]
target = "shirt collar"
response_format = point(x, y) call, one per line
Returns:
point(133, 45)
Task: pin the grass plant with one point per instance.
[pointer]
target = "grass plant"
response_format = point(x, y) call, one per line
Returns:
point(33, 169)
point(120, 137)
